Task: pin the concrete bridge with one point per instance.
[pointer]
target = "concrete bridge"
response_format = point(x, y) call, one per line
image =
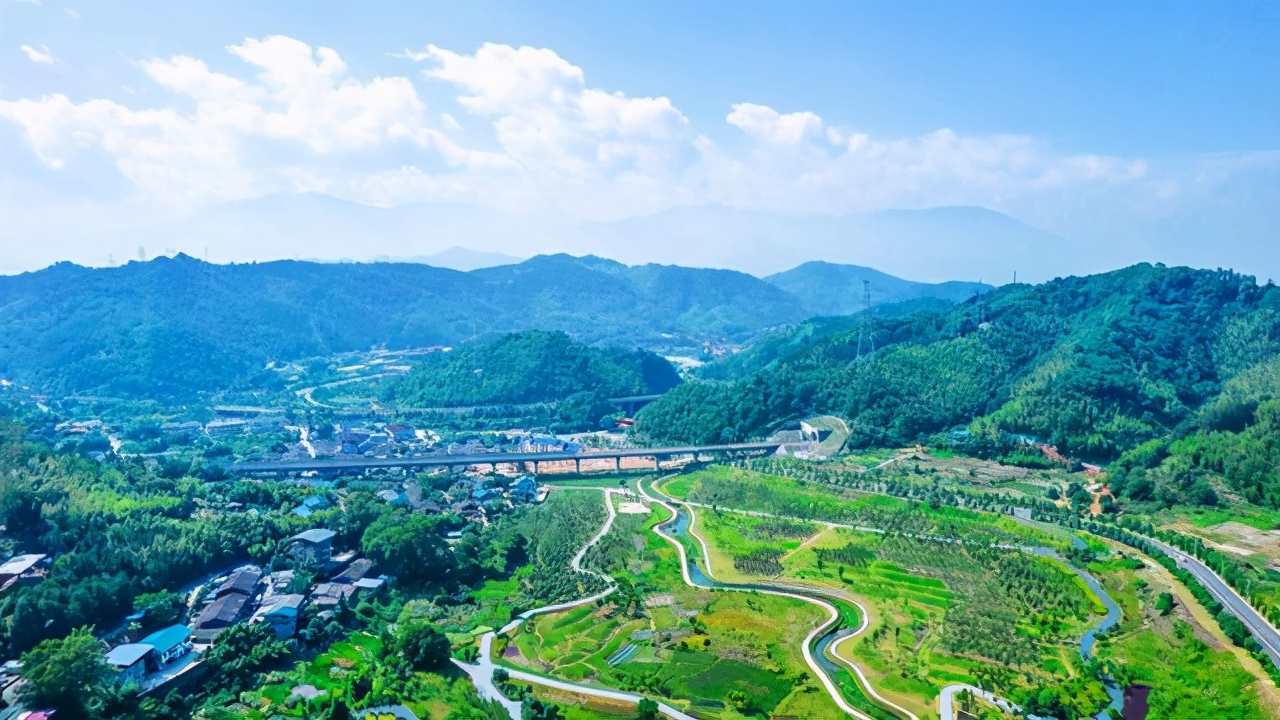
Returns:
point(339, 466)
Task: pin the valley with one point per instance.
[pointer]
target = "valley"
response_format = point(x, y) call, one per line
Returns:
point(954, 506)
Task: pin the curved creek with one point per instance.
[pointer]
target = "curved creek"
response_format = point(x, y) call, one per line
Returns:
point(679, 527)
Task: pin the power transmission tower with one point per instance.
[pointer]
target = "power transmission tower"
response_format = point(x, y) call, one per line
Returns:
point(866, 315)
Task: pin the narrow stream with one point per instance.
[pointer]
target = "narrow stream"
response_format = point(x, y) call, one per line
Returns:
point(679, 526)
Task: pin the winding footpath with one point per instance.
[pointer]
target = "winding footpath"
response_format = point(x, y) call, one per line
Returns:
point(820, 640)
point(788, 591)
point(481, 672)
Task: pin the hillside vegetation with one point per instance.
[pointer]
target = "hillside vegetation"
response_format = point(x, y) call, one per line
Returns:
point(534, 367)
point(1170, 362)
point(173, 327)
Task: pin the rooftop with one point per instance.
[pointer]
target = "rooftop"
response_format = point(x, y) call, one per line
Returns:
point(168, 638)
point(241, 581)
point(355, 571)
point(225, 609)
point(20, 564)
point(123, 656)
point(314, 536)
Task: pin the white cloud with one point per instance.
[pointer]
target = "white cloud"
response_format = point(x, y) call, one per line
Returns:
point(768, 125)
point(71, 13)
point(39, 55)
point(525, 132)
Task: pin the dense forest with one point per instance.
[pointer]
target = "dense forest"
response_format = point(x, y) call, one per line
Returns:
point(173, 327)
point(1163, 369)
point(534, 367)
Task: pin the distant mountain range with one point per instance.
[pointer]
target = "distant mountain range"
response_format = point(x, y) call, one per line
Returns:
point(456, 258)
point(173, 326)
point(831, 289)
point(936, 244)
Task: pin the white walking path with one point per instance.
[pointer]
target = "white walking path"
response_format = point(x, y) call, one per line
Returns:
point(481, 672)
point(834, 615)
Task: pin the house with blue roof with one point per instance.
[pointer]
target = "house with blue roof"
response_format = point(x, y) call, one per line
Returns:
point(170, 644)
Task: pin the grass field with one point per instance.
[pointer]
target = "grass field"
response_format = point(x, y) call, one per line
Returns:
point(950, 612)
point(721, 654)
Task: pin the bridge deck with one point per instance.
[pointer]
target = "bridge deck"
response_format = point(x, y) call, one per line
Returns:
point(490, 458)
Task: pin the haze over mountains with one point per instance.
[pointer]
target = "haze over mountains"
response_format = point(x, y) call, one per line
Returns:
point(173, 326)
point(935, 245)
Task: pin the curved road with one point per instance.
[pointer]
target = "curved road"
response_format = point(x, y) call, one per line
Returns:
point(789, 591)
point(481, 672)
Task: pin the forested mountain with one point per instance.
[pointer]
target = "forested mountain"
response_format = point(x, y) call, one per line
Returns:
point(1096, 365)
point(530, 367)
point(171, 327)
point(832, 289)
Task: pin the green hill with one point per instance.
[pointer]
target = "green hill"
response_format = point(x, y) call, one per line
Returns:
point(833, 289)
point(1096, 365)
point(173, 327)
point(530, 367)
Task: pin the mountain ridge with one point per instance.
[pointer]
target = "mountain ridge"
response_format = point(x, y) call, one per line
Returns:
point(176, 325)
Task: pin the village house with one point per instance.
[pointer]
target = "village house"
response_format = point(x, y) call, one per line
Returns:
point(350, 440)
point(130, 661)
point(243, 581)
point(311, 504)
point(313, 546)
point(327, 595)
point(280, 613)
point(353, 572)
point(401, 433)
point(168, 644)
point(219, 615)
point(524, 489)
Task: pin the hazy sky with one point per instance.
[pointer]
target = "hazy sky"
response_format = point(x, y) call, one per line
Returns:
point(1137, 131)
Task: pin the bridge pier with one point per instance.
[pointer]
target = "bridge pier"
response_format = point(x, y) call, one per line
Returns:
point(535, 467)
point(577, 465)
point(617, 463)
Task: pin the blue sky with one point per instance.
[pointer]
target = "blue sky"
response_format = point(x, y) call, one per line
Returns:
point(1130, 130)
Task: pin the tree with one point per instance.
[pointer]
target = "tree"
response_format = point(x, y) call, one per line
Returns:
point(159, 608)
point(535, 709)
point(241, 651)
point(66, 673)
point(647, 710)
point(412, 548)
point(423, 647)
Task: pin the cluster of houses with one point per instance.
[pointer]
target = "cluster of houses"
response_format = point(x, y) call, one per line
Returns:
point(476, 498)
point(249, 595)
